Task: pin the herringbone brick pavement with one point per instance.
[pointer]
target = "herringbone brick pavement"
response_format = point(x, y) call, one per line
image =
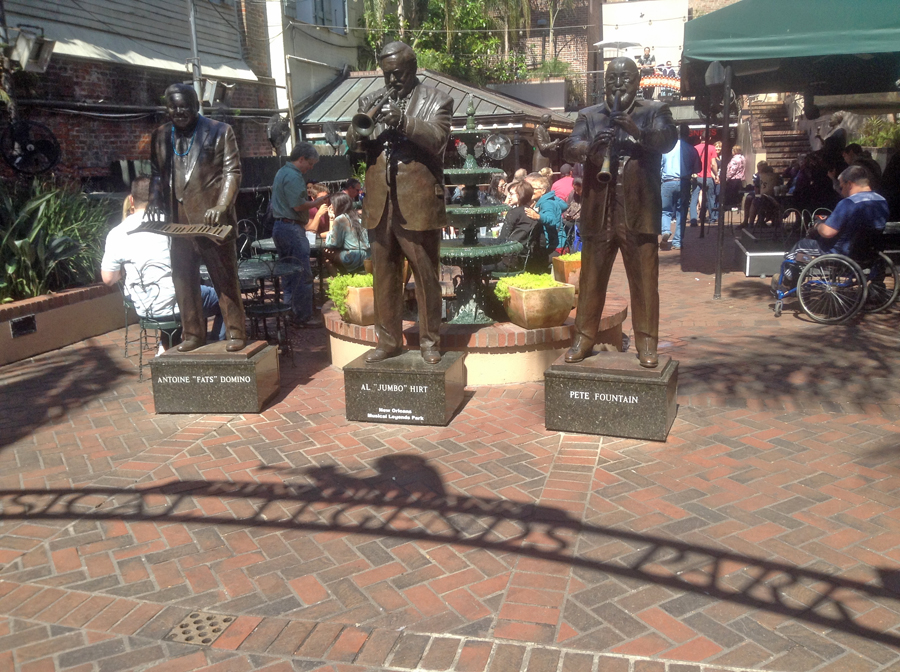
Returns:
point(763, 534)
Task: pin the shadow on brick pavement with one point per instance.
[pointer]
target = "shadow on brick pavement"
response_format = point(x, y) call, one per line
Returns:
point(763, 534)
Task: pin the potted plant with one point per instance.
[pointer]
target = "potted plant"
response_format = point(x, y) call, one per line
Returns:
point(353, 297)
point(535, 301)
point(880, 137)
point(567, 268)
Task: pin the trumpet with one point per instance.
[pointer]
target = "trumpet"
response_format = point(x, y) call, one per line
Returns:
point(364, 122)
point(605, 176)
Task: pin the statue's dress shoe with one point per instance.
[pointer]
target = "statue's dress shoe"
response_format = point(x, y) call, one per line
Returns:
point(379, 355)
point(235, 344)
point(649, 360)
point(189, 344)
point(431, 355)
point(581, 348)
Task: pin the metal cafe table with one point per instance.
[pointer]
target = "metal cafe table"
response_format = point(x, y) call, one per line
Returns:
point(268, 304)
point(267, 246)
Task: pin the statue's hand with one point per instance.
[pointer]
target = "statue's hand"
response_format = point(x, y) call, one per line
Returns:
point(214, 215)
point(154, 212)
point(391, 115)
point(626, 123)
point(598, 146)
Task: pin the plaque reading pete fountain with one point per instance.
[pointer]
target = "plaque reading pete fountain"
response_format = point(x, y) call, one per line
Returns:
point(621, 142)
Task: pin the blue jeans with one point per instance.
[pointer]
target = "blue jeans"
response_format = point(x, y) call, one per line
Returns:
point(211, 309)
point(292, 245)
point(671, 199)
point(711, 204)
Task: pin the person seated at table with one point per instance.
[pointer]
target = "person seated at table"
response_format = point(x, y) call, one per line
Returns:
point(855, 227)
point(854, 154)
point(812, 186)
point(353, 189)
point(347, 244)
point(523, 225)
point(762, 206)
point(141, 261)
point(319, 217)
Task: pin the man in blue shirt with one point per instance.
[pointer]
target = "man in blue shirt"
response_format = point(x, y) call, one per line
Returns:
point(291, 209)
point(855, 226)
point(677, 167)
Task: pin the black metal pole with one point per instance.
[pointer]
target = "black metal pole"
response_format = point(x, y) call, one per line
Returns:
point(726, 157)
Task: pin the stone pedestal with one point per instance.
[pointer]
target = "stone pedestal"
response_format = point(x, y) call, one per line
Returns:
point(404, 389)
point(611, 394)
point(211, 380)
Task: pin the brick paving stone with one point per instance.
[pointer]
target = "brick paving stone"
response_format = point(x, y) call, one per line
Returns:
point(772, 459)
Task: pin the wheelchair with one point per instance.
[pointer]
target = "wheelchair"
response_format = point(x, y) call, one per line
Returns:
point(832, 288)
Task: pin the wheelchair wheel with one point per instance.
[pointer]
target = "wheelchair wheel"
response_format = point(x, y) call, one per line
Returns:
point(884, 285)
point(831, 289)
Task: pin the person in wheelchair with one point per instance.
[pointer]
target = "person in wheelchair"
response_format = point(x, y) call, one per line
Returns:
point(854, 229)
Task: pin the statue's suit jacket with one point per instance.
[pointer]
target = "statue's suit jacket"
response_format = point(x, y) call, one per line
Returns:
point(414, 167)
point(212, 177)
point(641, 172)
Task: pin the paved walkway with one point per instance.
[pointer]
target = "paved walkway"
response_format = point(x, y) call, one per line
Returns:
point(764, 534)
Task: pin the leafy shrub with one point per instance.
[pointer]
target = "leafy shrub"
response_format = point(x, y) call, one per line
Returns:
point(574, 256)
point(338, 285)
point(51, 238)
point(878, 132)
point(524, 281)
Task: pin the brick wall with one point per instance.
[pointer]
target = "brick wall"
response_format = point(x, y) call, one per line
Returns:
point(571, 43)
point(92, 142)
point(254, 37)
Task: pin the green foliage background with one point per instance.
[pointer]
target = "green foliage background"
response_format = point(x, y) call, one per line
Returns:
point(51, 238)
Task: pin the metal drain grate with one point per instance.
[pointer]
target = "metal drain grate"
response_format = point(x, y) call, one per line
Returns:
point(200, 627)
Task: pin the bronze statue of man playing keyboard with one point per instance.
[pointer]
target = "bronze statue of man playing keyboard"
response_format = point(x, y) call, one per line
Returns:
point(196, 173)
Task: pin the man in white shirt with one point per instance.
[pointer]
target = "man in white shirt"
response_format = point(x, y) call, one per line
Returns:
point(142, 261)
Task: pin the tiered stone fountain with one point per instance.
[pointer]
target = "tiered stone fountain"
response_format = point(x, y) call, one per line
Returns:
point(475, 300)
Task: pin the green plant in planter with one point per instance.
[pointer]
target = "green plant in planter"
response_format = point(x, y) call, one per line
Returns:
point(878, 132)
point(338, 285)
point(574, 256)
point(51, 238)
point(524, 281)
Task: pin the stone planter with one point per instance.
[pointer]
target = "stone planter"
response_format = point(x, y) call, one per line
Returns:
point(360, 306)
point(540, 308)
point(565, 271)
point(32, 326)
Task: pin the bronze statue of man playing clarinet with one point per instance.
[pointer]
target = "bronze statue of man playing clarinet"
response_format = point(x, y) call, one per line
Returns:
point(621, 143)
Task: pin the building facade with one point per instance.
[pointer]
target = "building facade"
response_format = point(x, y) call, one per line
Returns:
point(102, 93)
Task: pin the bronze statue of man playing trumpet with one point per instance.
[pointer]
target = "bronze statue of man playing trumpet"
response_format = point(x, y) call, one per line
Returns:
point(621, 143)
point(403, 130)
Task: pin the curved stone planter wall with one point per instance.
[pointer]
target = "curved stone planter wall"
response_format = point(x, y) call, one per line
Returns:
point(60, 319)
point(497, 354)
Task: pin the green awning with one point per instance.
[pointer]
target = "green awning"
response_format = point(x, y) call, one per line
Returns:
point(826, 47)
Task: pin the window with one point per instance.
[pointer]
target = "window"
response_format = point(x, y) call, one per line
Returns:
point(331, 13)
